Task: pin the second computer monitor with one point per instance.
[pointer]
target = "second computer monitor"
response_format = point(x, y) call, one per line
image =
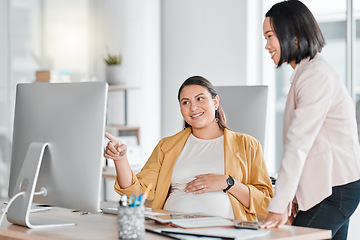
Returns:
point(245, 108)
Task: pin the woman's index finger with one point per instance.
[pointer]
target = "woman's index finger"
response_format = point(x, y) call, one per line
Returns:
point(110, 137)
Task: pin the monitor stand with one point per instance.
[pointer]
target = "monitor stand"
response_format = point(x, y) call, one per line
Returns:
point(19, 207)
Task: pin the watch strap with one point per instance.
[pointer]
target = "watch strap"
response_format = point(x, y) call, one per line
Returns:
point(229, 185)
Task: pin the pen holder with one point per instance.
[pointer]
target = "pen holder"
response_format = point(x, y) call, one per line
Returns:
point(131, 222)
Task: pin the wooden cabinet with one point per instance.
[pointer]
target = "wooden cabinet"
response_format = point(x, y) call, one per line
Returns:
point(123, 129)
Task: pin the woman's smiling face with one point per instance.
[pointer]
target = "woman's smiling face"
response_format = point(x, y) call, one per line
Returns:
point(272, 42)
point(197, 106)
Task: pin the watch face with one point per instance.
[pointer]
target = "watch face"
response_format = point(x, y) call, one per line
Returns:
point(230, 181)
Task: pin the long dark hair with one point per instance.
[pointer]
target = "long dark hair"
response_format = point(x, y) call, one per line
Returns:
point(297, 30)
point(201, 81)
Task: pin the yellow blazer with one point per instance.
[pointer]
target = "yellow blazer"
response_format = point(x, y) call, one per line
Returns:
point(244, 161)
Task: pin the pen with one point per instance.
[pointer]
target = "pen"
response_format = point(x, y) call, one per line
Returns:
point(144, 196)
point(123, 200)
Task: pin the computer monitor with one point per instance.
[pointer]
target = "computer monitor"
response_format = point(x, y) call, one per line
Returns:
point(245, 108)
point(57, 148)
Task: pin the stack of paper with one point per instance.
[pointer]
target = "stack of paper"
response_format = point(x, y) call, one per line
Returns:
point(221, 233)
point(191, 220)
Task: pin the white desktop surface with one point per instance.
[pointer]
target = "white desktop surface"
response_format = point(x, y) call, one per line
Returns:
point(104, 226)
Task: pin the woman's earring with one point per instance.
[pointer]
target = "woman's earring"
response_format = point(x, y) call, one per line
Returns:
point(216, 120)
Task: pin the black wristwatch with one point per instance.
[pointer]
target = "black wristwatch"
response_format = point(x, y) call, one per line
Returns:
point(230, 181)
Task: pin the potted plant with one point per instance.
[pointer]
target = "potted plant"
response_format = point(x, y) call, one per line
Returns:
point(113, 69)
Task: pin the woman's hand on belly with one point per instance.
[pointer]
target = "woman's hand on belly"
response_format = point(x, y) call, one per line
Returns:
point(203, 183)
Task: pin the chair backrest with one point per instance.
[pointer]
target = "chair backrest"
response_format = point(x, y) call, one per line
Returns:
point(245, 108)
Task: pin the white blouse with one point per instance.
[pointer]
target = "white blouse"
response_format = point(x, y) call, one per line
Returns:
point(199, 156)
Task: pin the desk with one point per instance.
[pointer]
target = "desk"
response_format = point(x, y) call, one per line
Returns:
point(104, 226)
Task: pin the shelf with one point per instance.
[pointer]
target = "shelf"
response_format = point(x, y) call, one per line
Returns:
point(120, 88)
point(109, 172)
point(125, 131)
point(122, 128)
point(113, 88)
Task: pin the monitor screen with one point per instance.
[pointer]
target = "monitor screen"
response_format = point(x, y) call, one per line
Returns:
point(68, 120)
point(245, 109)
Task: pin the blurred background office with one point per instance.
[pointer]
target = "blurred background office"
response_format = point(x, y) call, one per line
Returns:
point(161, 44)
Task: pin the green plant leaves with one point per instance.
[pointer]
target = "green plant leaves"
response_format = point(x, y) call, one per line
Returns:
point(113, 59)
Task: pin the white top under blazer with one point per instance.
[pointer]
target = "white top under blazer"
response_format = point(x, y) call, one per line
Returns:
point(199, 156)
point(321, 147)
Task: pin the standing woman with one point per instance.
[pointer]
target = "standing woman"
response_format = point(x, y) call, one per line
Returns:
point(320, 168)
point(205, 168)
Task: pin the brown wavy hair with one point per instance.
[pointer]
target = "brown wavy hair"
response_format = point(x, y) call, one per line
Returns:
point(201, 81)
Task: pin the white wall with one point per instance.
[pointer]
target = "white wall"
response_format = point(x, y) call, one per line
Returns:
point(132, 29)
point(203, 37)
point(4, 98)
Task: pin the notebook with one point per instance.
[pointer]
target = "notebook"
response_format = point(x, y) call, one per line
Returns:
point(191, 220)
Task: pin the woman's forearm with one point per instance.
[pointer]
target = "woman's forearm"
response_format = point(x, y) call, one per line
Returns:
point(241, 192)
point(123, 172)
